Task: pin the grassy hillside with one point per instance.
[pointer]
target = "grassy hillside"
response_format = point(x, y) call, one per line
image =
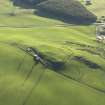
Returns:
point(67, 10)
point(81, 82)
point(26, 3)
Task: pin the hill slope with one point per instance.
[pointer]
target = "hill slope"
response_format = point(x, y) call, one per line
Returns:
point(65, 10)
point(81, 82)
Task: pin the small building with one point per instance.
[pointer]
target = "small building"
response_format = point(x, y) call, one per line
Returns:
point(100, 32)
point(88, 2)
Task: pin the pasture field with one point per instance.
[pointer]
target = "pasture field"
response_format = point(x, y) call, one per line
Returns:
point(80, 82)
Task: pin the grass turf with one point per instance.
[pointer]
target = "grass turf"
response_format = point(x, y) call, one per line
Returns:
point(87, 84)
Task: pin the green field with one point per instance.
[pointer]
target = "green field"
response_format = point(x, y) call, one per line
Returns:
point(77, 84)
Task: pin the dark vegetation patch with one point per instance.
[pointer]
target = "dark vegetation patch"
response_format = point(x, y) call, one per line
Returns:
point(89, 63)
point(69, 11)
point(48, 61)
point(51, 62)
point(28, 4)
point(65, 19)
point(56, 65)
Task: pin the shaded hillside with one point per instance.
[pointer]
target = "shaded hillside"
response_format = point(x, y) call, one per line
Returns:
point(26, 3)
point(65, 10)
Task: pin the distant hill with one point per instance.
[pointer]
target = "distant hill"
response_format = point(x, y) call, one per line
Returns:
point(27, 3)
point(66, 10)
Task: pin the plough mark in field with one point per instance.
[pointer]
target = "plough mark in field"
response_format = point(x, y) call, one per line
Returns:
point(69, 77)
point(33, 88)
point(21, 63)
point(28, 75)
point(66, 76)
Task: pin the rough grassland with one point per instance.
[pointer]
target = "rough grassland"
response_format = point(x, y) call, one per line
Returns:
point(81, 85)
